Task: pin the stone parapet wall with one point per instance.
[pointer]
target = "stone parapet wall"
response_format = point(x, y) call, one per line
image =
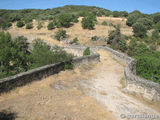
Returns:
point(21, 79)
point(136, 85)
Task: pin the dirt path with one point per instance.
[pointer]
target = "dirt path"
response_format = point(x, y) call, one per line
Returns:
point(106, 88)
point(91, 92)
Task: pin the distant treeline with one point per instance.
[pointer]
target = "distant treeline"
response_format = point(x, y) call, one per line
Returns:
point(27, 15)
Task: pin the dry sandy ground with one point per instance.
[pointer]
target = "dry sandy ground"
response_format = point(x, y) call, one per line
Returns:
point(84, 36)
point(58, 97)
point(91, 92)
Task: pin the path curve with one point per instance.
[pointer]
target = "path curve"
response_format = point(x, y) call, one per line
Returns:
point(107, 89)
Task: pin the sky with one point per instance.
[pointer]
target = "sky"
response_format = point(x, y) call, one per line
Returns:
point(145, 6)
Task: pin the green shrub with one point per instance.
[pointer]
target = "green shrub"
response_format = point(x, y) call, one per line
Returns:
point(156, 18)
point(20, 24)
point(155, 36)
point(139, 30)
point(43, 54)
point(116, 14)
point(74, 41)
point(131, 19)
point(28, 20)
point(75, 20)
point(148, 66)
point(39, 25)
point(122, 45)
point(86, 51)
point(68, 66)
point(137, 49)
point(65, 20)
point(104, 23)
point(13, 55)
point(50, 26)
point(153, 47)
point(116, 40)
point(89, 22)
point(60, 34)
point(157, 26)
point(94, 38)
point(29, 26)
point(146, 22)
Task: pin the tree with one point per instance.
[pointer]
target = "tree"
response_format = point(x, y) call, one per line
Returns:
point(43, 54)
point(132, 19)
point(65, 20)
point(5, 53)
point(13, 55)
point(50, 26)
point(60, 34)
point(89, 22)
point(39, 25)
point(146, 22)
point(20, 24)
point(29, 26)
point(157, 26)
point(156, 18)
point(116, 14)
point(135, 49)
point(124, 13)
point(147, 66)
point(116, 40)
point(139, 30)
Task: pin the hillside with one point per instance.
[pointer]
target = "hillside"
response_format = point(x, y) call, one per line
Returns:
point(33, 38)
point(74, 31)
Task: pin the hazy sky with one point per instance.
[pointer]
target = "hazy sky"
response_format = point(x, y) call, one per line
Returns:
point(145, 6)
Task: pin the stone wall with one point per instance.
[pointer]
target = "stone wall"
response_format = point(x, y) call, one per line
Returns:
point(134, 84)
point(21, 79)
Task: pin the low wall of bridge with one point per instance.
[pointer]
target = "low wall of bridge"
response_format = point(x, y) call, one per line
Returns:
point(21, 79)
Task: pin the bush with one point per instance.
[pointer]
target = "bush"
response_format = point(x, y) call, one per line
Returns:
point(122, 45)
point(104, 23)
point(43, 54)
point(146, 22)
point(89, 22)
point(74, 41)
point(75, 20)
point(148, 67)
point(65, 20)
point(86, 51)
point(29, 26)
point(116, 14)
point(20, 24)
point(135, 49)
point(50, 26)
point(39, 25)
point(28, 20)
point(68, 66)
point(94, 38)
point(157, 26)
point(60, 34)
point(155, 35)
point(116, 40)
point(131, 19)
point(139, 30)
point(156, 18)
point(13, 55)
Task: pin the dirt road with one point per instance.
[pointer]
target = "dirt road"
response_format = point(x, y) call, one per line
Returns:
point(91, 92)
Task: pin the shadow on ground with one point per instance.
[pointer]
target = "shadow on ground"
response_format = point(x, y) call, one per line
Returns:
point(7, 115)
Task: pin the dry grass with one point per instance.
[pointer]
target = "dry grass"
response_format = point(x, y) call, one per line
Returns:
point(84, 36)
point(58, 97)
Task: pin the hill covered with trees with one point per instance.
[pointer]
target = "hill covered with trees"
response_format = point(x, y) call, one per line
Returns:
point(143, 45)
